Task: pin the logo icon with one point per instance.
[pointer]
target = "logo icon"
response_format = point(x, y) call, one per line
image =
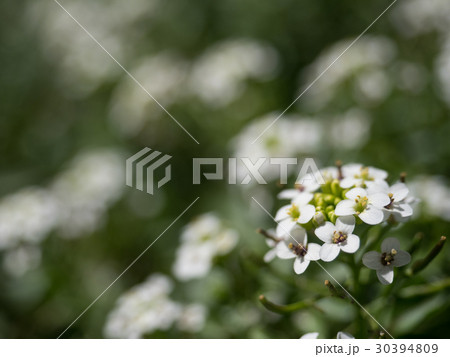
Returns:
point(142, 159)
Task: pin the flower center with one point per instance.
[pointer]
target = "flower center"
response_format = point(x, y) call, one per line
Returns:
point(298, 249)
point(364, 174)
point(388, 258)
point(339, 237)
point(294, 212)
point(361, 203)
point(391, 197)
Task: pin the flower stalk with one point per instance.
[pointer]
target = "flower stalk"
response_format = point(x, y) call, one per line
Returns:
point(422, 263)
point(286, 309)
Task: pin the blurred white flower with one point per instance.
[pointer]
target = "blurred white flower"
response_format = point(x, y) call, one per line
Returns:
point(391, 256)
point(202, 240)
point(310, 336)
point(193, 261)
point(314, 335)
point(163, 76)
point(143, 309)
point(218, 76)
point(289, 137)
point(411, 77)
point(337, 237)
point(434, 194)
point(354, 126)
point(82, 65)
point(372, 86)
point(296, 247)
point(27, 216)
point(18, 261)
point(84, 192)
point(442, 69)
point(368, 207)
point(415, 17)
point(192, 318)
point(367, 58)
point(272, 240)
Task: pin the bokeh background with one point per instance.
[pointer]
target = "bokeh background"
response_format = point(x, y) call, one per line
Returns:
point(70, 116)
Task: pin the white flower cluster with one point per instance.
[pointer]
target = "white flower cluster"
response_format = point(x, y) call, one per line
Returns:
point(202, 240)
point(314, 335)
point(216, 78)
point(365, 66)
point(415, 17)
point(83, 65)
point(147, 307)
point(297, 135)
point(351, 194)
point(433, 192)
point(74, 204)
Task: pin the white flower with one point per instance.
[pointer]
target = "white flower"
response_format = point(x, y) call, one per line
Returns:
point(344, 336)
point(366, 206)
point(357, 175)
point(145, 308)
point(314, 335)
point(297, 247)
point(192, 318)
point(298, 212)
point(310, 336)
point(337, 237)
point(391, 256)
point(202, 240)
point(398, 208)
point(193, 261)
point(294, 193)
point(272, 242)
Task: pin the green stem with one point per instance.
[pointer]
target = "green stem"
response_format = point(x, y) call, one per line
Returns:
point(286, 309)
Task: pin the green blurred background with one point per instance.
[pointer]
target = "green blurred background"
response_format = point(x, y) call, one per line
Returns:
point(69, 117)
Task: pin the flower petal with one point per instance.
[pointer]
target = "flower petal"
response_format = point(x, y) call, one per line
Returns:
point(351, 244)
point(310, 336)
point(283, 252)
point(300, 265)
point(288, 194)
point(372, 260)
point(285, 227)
point(325, 232)
point(306, 213)
point(372, 215)
point(282, 213)
point(377, 174)
point(313, 253)
point(345, 208)
point(385, 275)
point(303, 199)
point(400, 191)
point(379, 200)
point(355, 192)
point(329, 252)
point(401, 258)
point(345, 224)
point(298, 235)
point(377, 186)
point(270, 255)
point(389, 244)
point(348, 182)
point(343, 336)
point(404, 209)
